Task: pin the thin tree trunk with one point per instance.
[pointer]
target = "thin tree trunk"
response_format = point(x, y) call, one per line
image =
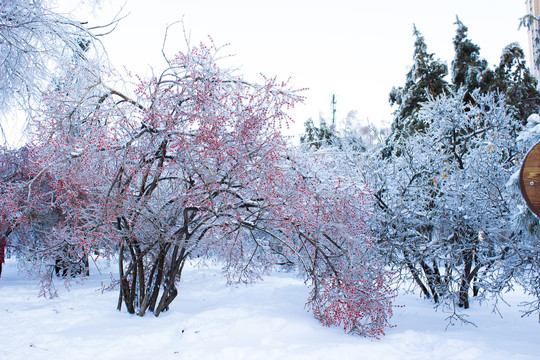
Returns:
point(418, 281)
point(431, 280)
point(152, 292)
point(170, 292)
point(465, 281)
point(475, 286)
point(134, 271)
point(141, 273)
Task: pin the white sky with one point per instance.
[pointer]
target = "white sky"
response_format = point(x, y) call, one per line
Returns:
point(357, 49)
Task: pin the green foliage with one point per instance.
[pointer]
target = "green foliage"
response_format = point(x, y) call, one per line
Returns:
point(324, 135)
point(468, 67)
point(513, 79)
point(471, 72)
point(425, 79)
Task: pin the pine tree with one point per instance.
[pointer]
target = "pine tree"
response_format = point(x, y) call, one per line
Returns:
point(468, 67)
point(424, 80)
point(311, 134)
point(513, 79)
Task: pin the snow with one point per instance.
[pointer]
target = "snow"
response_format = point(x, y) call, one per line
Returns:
point(267, 320)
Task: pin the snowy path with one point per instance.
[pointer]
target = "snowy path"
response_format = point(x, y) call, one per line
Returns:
point(264, 321)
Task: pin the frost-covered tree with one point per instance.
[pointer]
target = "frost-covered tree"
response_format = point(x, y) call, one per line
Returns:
point(361, 135)
point(424, 79)
point(36, 42)
point(524, 265)
point(324, 135)
point(193, 166)
point(79, 76)
point(350, 134)
point(468, 67)
point(444, 209)
point(512, 78)
point(37, 208)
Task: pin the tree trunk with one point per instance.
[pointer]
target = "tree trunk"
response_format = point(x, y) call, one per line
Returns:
point(432, 280)
point(418, 281)
point(140, 292)
point(170, 292)
point(155, 280)
point(463, 300)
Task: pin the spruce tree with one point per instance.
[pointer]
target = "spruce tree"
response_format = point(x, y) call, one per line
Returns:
point(468, 68)
point(424, 80)
point(513, 79)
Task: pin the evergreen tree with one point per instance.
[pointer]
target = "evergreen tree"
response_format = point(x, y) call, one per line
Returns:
point(324, 135)
point(424, 80)
point(311, 134)
point(468, 67)
point(513, 79)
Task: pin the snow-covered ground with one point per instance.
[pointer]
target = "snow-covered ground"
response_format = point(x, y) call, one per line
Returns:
point(210, 320)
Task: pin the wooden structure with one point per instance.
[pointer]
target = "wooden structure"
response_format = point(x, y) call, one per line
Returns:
point(529, 179)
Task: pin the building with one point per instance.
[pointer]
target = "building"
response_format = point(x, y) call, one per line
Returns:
point(533, 7)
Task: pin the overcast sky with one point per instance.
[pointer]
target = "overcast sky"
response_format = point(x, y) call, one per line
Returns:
point(355, 49)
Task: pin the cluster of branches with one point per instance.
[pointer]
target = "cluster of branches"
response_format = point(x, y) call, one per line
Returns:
point(35, 43)
point(446, 212)
point(448, 215)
